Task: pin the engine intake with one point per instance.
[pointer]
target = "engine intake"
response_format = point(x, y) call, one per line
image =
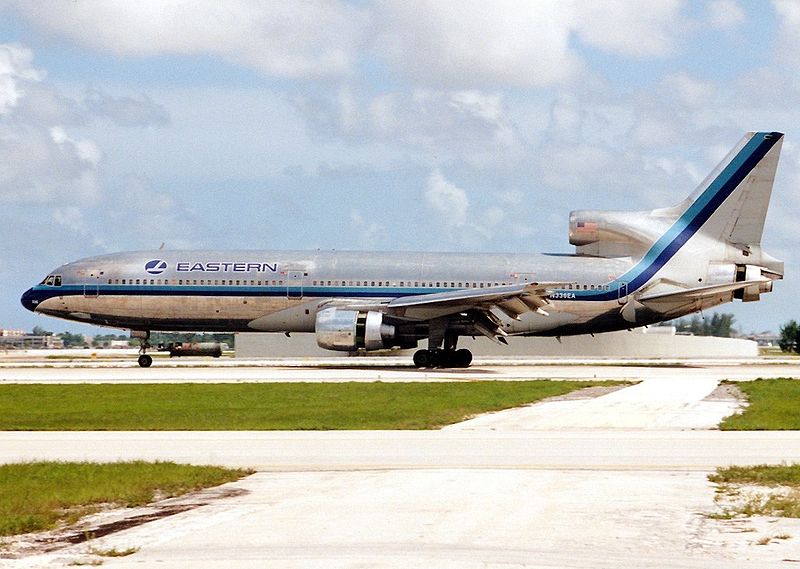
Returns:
point(350, 330)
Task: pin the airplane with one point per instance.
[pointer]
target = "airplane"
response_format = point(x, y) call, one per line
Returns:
point(629, 269)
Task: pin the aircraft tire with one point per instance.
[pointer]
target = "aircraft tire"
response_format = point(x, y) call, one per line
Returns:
point(462, 358)
point(422, 358)
point(145, 360)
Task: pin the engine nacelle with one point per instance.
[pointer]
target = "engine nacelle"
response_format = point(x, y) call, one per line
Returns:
point(752, 273)
point(613, 233)
point(350, 330)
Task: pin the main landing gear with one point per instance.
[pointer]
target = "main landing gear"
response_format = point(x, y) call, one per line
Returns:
point(442, 358)
point(144, 336)
point(442, 350)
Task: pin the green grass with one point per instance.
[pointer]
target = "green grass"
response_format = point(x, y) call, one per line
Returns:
point(773, 406)
point(785, 503)
point(42, 495)
point(761, 475)
point(264, 406)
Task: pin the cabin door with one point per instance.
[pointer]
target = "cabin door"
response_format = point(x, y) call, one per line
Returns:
point(91, 289)
point(622, 293)
point(294, 284)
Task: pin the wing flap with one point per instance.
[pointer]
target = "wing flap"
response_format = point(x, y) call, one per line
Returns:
point(513, 300)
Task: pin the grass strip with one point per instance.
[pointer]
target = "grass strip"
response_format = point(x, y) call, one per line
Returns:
point(784, 503)
point(772, 406)
point(264, 406)
point(38, 496)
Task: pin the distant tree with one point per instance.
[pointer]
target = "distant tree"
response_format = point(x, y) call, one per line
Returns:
point(720, 325)
point(72, 340)
point(104, 340)
point(790, 337)
point(39, 331)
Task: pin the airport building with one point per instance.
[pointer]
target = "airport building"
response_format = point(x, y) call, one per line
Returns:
point(652, 342)
point(24, 341)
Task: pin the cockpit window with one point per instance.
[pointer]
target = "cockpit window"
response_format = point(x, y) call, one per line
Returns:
point(57, 280)
point(49, 280)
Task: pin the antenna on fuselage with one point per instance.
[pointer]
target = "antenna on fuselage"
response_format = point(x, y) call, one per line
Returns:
point(162, 245)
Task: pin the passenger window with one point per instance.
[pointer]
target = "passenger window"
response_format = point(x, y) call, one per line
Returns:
point(138, 281)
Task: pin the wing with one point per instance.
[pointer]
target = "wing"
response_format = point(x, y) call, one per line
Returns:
point(474, 304)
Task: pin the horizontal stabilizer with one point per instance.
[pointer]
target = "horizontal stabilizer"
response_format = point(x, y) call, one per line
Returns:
point(697, 293)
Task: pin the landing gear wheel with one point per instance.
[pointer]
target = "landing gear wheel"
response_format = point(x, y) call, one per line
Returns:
point(422, 358)
point(462, 358)
point(145, 360)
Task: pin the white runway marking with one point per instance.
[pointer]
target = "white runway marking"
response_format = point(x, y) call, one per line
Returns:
point(674, 403)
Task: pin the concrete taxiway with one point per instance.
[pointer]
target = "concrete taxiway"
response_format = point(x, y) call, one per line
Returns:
point(617, 480)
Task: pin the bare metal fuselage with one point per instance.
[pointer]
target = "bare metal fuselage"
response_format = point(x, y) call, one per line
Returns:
point(281, 291)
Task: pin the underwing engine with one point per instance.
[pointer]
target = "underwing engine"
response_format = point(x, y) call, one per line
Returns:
point(350, 330)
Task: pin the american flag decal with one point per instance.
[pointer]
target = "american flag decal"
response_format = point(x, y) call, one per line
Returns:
point(586, 226)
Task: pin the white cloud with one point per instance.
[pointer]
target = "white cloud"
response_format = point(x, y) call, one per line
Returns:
point(517, 42)
point(510, 42)
point(725, 14)
point(471, 125)
point(144, 217)
point(788, 16)
point(629, 27)
point(446, 200)
point(689, 90)
point(15, 69)
point(436, 44)
point(313, 38)
point(371, 234)
point(125, 111)
point(40, 165)
point(40, 161)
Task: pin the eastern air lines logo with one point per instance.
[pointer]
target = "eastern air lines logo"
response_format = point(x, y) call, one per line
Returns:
point(155, 267)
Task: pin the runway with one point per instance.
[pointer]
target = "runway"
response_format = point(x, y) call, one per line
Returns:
point(186, 370)
point(618, 480)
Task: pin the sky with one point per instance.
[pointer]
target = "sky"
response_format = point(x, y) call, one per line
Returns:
point(430, 125)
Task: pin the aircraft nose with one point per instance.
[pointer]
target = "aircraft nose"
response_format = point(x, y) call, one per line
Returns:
point(28, 300)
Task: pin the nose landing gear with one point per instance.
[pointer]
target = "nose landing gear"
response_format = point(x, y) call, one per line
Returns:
point(144, 343)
